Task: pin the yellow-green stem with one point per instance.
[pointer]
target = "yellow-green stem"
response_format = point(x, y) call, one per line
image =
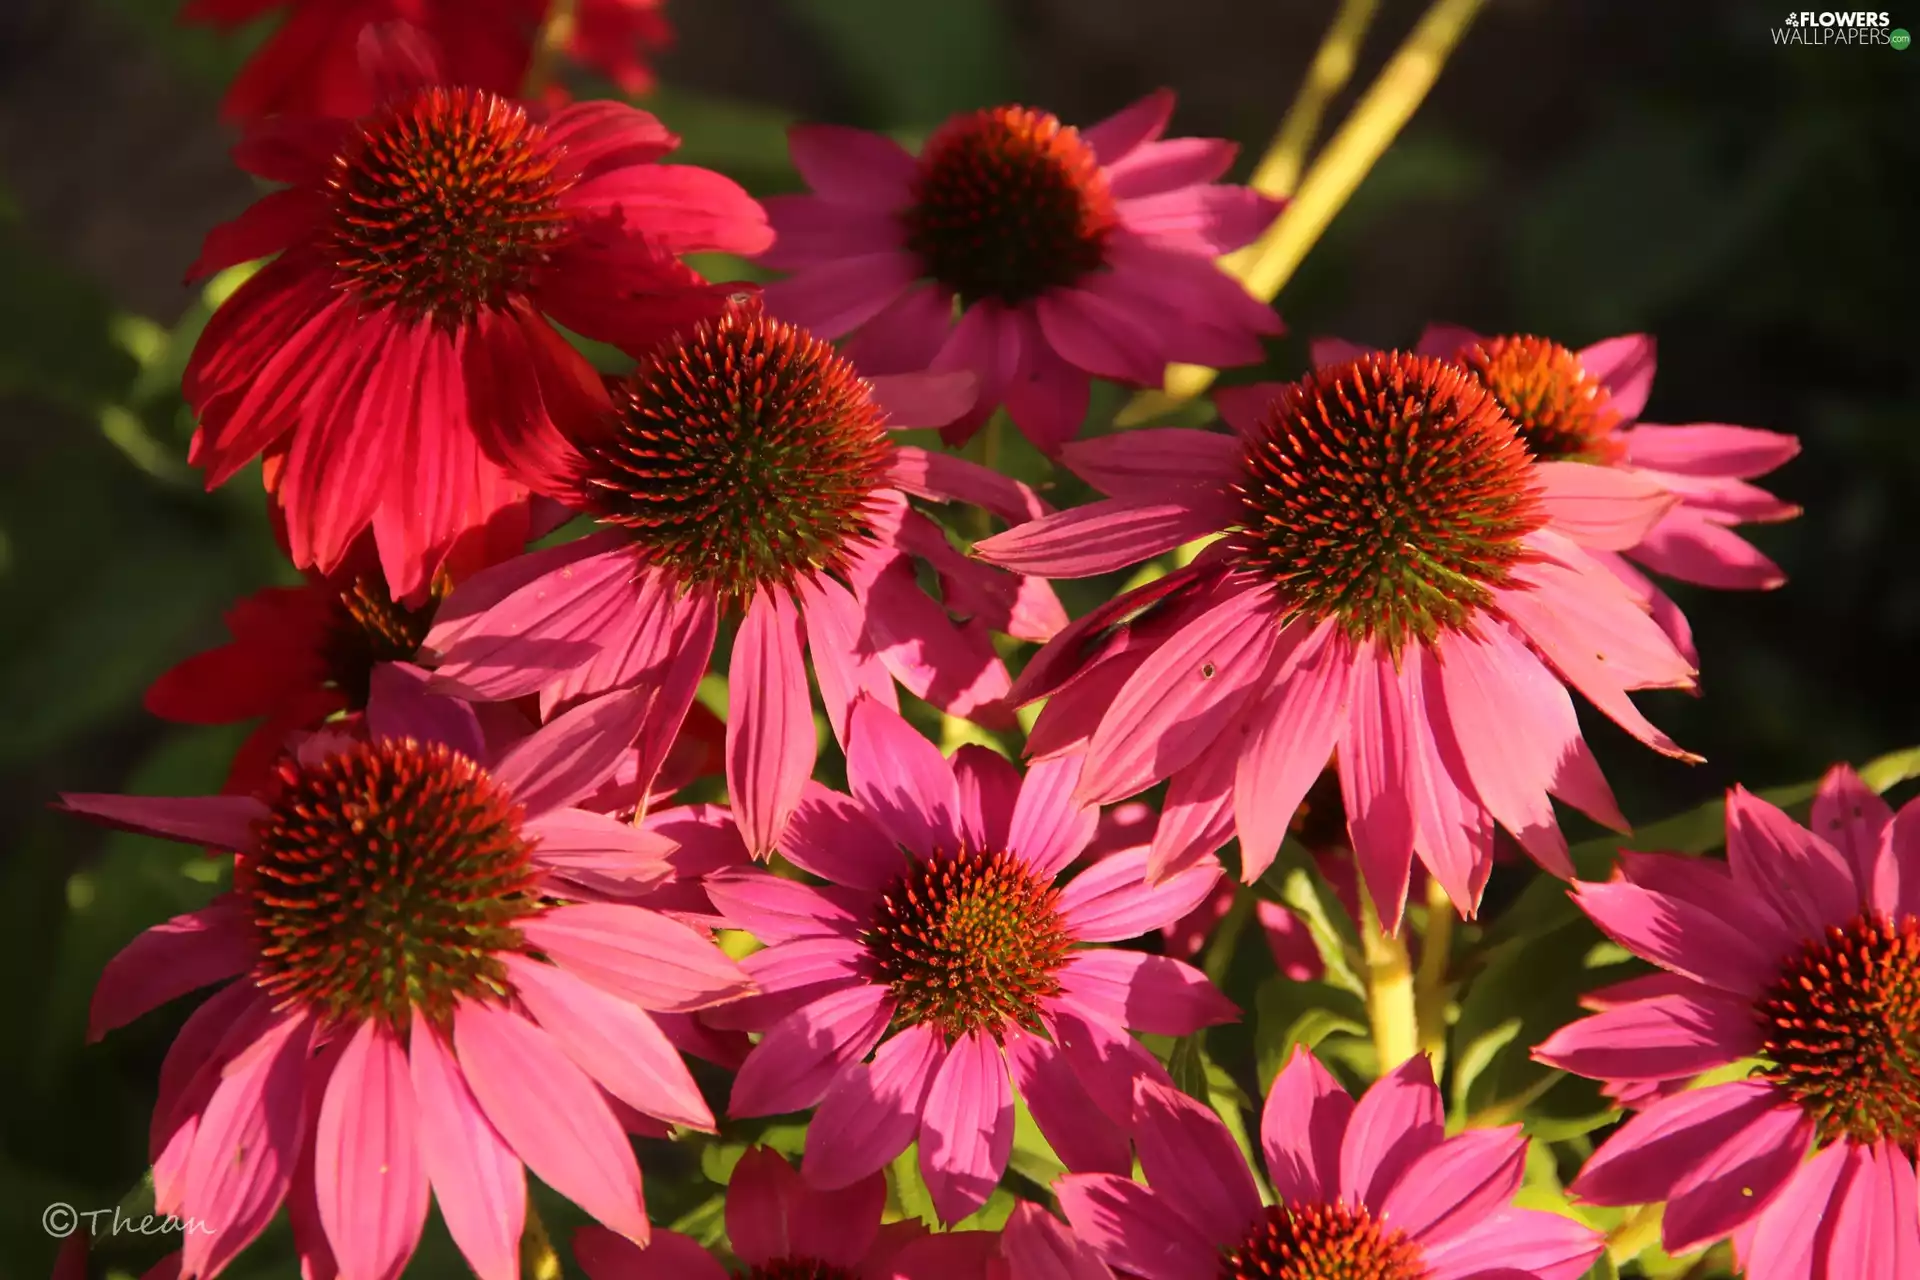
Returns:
point(1430, 990)
point(555, 34)
point(1226, 936)
point(1637, 1232)
point(1332, 66)
point(1390, 1008)
point(538, 1261)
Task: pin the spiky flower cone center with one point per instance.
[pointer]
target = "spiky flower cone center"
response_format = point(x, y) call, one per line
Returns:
point(444, 202)
point(1007, 204)
point(797, 1269)
point(1563, 412)
point(746, 455)
point(1841, 1030)
point(368, 628)
point(1390, 493)
point(969, 943)
point(1323, 1242)
point(386, 879)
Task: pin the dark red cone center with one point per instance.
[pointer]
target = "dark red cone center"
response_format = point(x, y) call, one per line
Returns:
point(1563, 412)
point(1323, 1242)
point(797, 1269)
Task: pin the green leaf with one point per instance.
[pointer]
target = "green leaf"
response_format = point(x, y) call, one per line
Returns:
point(1297, 884)
point(705, 1222)
point(1033, 1156)
point(1188, 1066)
point(908, 1190)
point(1288, 1013)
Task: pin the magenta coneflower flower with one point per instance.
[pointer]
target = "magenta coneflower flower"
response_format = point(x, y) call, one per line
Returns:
point(1584, 406)
point(746, 470)
point(1065, 254)
point(1373, 1188)
point(944, 940)
point(1802, 953)
point(415, 997)
point(783, 1229)
point(1396, 587)
point(398, 362)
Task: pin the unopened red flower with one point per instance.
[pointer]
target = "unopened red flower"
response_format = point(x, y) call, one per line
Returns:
point(398, 362)
point(1371, 1189)
point(417, 994)
point(1801, 953)
point(1585, 406)
point(1034, 254)
point(1396, 587)
point(745, 470)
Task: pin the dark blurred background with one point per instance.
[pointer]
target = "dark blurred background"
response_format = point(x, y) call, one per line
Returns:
point(1581, 169)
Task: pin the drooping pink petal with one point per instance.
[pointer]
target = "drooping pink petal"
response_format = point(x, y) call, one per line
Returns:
point(1804, 878)
point(1104, 1058)
point(1453, 831)
point(1689, 544)
point(1291, 734)
point(988, 343)
point(1648, 1156)
point(1100, 537)
point(1458, 1183)
point(1197, 817)
point(640, 955)
point(775, 910)
point(1709, 885)
point(596, 850)
point(1375, 780)
point(1155, 994)
point(1624, 366)
point(399, 705)
point(551, 1114)
point(1134, 1229)
point(1046, 397)
point(770, 743)
point(1143, 464)
point(1725, 1188)
point(1394, 1123)
point(1038, 1246)
point(1876, 1226)
point(1606, 507)
point(988, 786)
point(478, 1181)
point(905, 337)
point(1849, 815)
point(1510, 1244)
point(809, 231)
point(1709, 449)
point(851, 166)
point(952, 665)
point(170, 959)
point(902, 780)
point(837, 297)
point(668, 1256)
point(1667, 1037)
point(846, 659)
point(1167, 165)
point(1795, 1230)
point(1048, 828)
point(795, 1062)
point(943, 477)
point(871, 1111)
point(1679, 936)
point(1191, 1162)
point(1084, 1136)
point(369, 1175)
point(966, 1128)
point(1302, 1128)
point(567, 758)
point(1111, 900)
point(222, 822)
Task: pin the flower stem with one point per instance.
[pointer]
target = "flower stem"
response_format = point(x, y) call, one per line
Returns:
point(538, 1261)
point(1430, 982)
point(1390, 1005)
point(1637, 1232)
point(1332, 66)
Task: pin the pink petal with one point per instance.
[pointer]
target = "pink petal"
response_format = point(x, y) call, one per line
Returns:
point(1648, 1156)
point(369, 1175)
point(1512, 1244)
point(551, 1114)
point(594, 849)
point(1155, 994)
point(1302, 1128)
point(837, 297)
point(1849, 815)
point(1165, 166)
point(834, 838)
point(1624, 366)
point(924, 399)
point(1290, 735)
point(1191, 1162)
point(1133, 126)
point(1796, 1229)
point(846, 660)
point(222, 822)
point(1709, 449)
point(1143, 464)
point(1049, 828)
point(871, 1111)
point(946, 478)
point(1111, 900)
point(1197, 818)
point(902, 780)
point(1709, 884)
point(465, 612)
point(1376, 782)
point(907, 336)
point(1101, 336)
point(794, 1063)
point(1038, 1246)
point(1458, 1183)
point(170, 959)
point(1100, 537)
point(775, 910)
point(1453, 832)
point(616, 1044)
point(1876, 1225)
point(1244, 408)
point(950, 664)
point(1048, 397)
point(399, 705)
point(1395, 1122)
point(966, 1130)
point(567, 758)
point(986, 342)
point(989, 786)
point(669, 1256)
point(1606, 507)
point(477, 1179)
point(1208, 220)
point(1693, 547)
point(809, 231)
point(1104, 1058)
point(770, 743)
point(1726, 1188)
point(1135, 1230)
point(637, 954)
point(1085, 1137)
point(1667, 1037)
point(1805, 879)
point(851, 166)
point(1679, 936)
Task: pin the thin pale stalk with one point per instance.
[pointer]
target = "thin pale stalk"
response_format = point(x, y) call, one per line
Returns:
point(555, 34)
point(1430, 989)
point(538, 1261)
point(1279, 169)
point(1389, 973)
point(1637, 1232)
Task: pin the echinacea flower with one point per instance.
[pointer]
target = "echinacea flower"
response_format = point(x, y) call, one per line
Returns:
point(744, 469)
point(783, 1229)
point(1068, 254)
point(414, 995)
point(1372, 1188)
point(1396, 588)
point(398, 362)
point(1801, 953)
point(1584, 406)
point(945, 946)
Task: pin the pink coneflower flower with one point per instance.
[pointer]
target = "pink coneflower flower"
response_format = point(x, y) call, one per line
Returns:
point(398, 362)
point(745, 469)
point(1396, 587)
point(415, 997)
point(783, 1229)
point(1371, 1188)
point(944, 940)
point(1801, 951)
point(1584, 406)
point(1066, 254)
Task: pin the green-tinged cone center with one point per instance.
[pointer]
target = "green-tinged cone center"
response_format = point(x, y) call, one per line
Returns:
point(744, 455)
point(1007, 204)
point(797, 1269)
point(1323, 1242)
point(969, 943)
point(444, 202)
point(1842, 1031)
point(1390, 493)
point(368, 628)
point(386, 879)
point(1563, 412)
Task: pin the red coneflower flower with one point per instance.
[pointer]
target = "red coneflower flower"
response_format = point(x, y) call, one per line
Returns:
point(398, 362)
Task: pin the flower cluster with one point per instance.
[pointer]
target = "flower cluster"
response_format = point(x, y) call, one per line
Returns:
point(483, 913)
